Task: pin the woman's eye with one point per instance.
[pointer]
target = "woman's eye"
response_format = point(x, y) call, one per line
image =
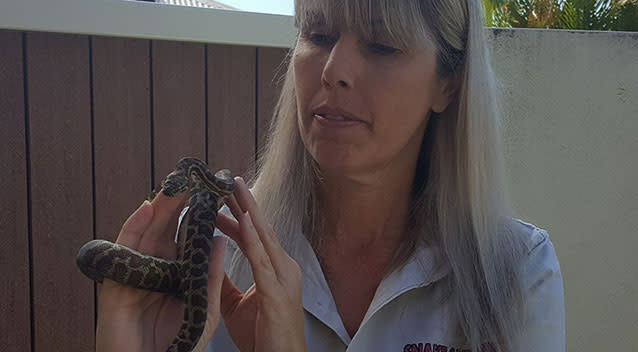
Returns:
point(320, 39)
point(382, 49)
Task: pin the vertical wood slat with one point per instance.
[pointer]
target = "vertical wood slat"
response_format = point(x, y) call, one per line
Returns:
point(231, 108)
point(178, 104)
point(58, 83)
point(122, 130)
point(271, 71)
point(14, 246)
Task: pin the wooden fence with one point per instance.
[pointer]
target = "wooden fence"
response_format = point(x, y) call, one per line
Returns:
point(88, 125)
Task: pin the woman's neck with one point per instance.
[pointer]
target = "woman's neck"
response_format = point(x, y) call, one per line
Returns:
point(360, 216)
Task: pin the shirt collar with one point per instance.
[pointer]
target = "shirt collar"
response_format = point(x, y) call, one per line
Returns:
point(420, 270)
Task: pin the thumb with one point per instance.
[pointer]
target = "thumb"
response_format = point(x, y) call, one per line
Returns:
point(133, 228)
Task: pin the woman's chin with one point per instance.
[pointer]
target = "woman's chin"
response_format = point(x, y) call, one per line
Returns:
point(337, 164)
point(335, 157)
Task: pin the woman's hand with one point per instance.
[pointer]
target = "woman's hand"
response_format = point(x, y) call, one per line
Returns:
point(131, 319)
point(269, 315)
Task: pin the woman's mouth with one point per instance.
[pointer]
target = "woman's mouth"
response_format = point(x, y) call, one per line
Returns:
point(332, 117)
point(330, 120)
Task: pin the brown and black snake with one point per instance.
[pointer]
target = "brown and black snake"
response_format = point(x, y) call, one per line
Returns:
point(186, 277)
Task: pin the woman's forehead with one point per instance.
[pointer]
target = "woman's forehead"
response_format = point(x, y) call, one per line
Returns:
point(342, 12)
point(318, 20)
point(397, 20)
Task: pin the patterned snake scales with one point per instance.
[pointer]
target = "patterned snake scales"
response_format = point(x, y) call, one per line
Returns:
point(185, 277)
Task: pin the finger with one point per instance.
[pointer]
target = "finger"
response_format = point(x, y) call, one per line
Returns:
point(228, 225)
point(246, 202)
point(260, 262)
point(158, 239)
point(232, 229)
point(238, 213)
point(133, 228)
point(234, 207)
point(236, 210)
point(168, 211)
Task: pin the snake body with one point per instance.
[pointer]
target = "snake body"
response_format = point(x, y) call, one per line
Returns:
point(185, 277)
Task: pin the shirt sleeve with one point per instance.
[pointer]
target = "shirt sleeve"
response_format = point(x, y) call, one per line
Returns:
point(544, 328)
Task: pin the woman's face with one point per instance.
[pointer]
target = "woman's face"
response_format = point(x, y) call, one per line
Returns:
point(363, 106)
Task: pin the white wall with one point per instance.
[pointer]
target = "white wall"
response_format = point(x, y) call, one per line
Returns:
point(571, 105)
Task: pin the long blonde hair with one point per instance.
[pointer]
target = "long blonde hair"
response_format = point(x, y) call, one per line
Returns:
point(459, 196)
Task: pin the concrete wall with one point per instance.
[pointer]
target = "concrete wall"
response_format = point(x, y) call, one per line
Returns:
point(571, 120)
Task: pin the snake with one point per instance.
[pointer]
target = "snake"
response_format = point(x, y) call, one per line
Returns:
point(186, 277)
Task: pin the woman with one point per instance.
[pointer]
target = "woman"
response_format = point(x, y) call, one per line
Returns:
point(377, 220)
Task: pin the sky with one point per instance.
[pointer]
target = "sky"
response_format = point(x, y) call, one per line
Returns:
point(280, 7)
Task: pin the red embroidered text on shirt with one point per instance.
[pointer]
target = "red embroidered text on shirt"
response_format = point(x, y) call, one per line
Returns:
point(420, 347)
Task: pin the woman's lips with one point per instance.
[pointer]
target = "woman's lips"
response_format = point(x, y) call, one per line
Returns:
point(335, 121)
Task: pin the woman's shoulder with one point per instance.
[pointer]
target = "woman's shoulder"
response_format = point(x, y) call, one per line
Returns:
point(529, 235)
point(542, 288)
point(540, 264)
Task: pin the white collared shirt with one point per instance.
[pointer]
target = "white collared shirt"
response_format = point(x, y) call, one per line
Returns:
point(409, 312)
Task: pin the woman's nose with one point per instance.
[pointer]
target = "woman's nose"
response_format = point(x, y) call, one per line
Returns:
point(341, 68)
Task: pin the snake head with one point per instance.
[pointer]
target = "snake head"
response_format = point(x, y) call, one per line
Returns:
point(225, 185)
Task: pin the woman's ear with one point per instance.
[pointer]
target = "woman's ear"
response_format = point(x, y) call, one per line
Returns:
point(446, 90)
